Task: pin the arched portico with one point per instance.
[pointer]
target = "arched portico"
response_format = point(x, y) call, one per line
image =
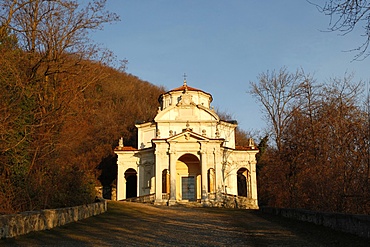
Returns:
point(131, 183)
point(243, 182)
point(188, 178)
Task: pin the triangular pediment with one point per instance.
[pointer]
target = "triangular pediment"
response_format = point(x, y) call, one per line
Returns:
point(188, 136)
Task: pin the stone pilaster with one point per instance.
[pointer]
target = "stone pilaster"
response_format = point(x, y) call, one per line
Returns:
point(158, 176)
point(218, 170)
point(203, 160)
point(253, 182)
point(121, 181)
point(172, 154)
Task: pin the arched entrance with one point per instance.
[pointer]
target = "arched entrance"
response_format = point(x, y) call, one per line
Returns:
point(242, 176)
point(188, 180)
point(131, 183)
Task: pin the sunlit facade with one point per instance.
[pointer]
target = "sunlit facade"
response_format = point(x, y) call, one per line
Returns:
point(187, 153)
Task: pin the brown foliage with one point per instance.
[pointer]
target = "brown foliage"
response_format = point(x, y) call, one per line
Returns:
point(61, 109)
point(323, 161)
point(53, 162)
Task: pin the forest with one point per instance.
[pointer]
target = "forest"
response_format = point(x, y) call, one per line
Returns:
point(65, 102)
point(63, 106)
point(318, 156)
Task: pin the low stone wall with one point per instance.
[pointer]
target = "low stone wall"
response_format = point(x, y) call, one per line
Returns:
point(143, 199)
point(233, 201)
point(355, 224)
point(18, 224)
point(106, 192)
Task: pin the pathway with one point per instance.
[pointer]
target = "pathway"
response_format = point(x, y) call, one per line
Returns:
point(134, 224)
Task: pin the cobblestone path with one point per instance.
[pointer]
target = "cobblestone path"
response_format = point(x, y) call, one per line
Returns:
point(133, 224)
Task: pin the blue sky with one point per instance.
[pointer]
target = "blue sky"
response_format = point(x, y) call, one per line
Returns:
point(224, 45)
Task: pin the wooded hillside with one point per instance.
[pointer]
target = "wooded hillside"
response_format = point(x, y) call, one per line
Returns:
point(62, 109)
point(53, 139)
point(62, 105)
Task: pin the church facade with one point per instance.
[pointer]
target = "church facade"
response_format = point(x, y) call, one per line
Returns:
point(187, 153)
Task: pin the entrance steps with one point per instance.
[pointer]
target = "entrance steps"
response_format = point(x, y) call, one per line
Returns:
point(226, 201)
point(189, 204)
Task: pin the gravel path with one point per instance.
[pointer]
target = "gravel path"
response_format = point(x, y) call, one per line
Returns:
point(134, 224)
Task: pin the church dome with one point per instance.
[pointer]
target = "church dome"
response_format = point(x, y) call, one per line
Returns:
point(174, 96)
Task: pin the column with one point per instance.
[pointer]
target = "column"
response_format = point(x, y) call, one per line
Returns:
point(218, 170)
point(168, 182)
point(121, 180)
point(158, 177)
point(211, 177)
point(253, 182)
point(172, 154)
point(203, 159)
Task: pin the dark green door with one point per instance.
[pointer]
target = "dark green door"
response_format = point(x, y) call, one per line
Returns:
point(188, 188)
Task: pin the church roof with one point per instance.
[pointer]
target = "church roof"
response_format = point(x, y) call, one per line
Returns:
point(244, 148)
point(126, 148)
point(186, 87)
point(183, 88)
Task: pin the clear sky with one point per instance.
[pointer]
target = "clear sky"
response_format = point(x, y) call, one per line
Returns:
point(223, 45)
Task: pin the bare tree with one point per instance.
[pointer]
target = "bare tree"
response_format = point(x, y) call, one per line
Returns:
point(46, 65)
point(345, 15)
point(323, 161)
point(279, 93)
point(53, 37)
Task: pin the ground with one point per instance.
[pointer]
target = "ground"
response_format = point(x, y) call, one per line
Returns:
point(134, 224)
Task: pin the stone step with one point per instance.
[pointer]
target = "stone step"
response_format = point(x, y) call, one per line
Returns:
point(189, 204)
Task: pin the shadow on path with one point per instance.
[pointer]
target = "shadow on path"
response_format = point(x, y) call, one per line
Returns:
point(134, 224)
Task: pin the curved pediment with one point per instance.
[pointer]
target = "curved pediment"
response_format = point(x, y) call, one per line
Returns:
point(184, 95)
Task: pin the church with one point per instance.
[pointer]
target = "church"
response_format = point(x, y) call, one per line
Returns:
point(187, 154)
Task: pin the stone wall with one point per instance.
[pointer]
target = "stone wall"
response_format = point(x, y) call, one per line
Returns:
point(355, 224)
point(22, 223)
point(106, 192)
point(233, 201)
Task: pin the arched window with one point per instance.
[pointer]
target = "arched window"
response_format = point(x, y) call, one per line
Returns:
point(242, 176)
point(165, 181)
